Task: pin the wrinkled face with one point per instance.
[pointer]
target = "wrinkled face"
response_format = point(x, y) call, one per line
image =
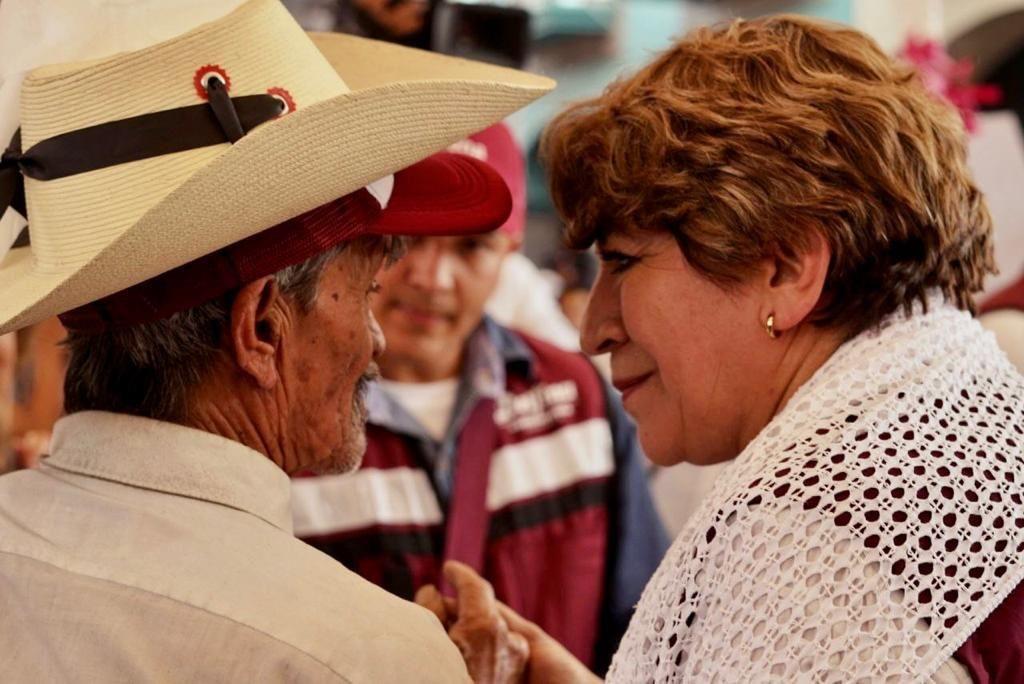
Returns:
point(433, 299)
point(684, 352)
point(328, 362)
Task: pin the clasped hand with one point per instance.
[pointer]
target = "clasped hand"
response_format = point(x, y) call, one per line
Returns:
point(498, 644)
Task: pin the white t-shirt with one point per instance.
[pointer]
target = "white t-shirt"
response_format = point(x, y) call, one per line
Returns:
point(430, 403)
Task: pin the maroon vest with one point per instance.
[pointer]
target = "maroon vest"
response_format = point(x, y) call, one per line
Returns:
point(995, 652)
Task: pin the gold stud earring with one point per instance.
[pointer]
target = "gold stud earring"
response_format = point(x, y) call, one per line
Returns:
point(769, 326)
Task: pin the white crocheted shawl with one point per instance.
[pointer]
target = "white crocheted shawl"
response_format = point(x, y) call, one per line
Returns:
point(864, 534)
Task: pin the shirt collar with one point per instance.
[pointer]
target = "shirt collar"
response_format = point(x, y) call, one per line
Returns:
point(509, 349)
point(492, 352)
point(174, 459)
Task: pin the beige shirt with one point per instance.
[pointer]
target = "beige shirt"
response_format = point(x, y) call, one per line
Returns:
point(145, 551)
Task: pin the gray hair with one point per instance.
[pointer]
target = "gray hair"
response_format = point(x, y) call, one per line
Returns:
point(149, 369)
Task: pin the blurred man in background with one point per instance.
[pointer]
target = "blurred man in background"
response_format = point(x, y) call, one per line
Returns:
point(488, 446)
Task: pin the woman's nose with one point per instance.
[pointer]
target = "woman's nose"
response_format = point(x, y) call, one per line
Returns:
point(602, 330)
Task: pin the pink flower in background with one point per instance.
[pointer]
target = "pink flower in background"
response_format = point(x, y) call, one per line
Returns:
point(950, 78)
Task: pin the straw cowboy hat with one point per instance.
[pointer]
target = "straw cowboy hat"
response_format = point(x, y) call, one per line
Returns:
point(138, 163)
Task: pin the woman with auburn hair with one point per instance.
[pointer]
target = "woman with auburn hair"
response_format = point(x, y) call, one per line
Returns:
point(790, 245)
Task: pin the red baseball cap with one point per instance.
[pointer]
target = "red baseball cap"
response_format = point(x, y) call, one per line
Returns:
point(497, 147)
point(445, 194)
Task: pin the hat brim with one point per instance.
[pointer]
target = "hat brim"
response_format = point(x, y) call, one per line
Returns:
point(396, 115)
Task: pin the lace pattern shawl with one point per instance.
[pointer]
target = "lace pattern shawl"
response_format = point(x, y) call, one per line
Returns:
point(864, 534)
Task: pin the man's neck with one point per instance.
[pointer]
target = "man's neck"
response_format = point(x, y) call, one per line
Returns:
point(221, 411)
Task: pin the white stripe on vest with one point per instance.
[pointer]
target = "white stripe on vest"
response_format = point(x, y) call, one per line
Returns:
point(546, 464)
point(336, 503)
point(330, 504)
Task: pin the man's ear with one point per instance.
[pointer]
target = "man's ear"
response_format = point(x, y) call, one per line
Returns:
point(256, 330)
point(514, 243)
point(794, 282)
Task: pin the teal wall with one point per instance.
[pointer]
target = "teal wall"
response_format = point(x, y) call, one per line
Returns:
point(834, 10)
point(645, 27)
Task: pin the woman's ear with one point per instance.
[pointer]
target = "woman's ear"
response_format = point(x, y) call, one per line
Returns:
point(795, 280)
point(256, 330)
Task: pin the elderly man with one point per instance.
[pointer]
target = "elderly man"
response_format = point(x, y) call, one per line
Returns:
point(491, 447)
point(198, 218)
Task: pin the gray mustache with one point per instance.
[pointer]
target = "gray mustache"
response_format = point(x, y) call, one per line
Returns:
point(371, 374)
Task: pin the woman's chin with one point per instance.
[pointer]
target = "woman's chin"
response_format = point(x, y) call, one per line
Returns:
point(668, 452)
point(662, 453)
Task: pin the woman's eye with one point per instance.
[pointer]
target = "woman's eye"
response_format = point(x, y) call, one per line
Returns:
point(618, 262)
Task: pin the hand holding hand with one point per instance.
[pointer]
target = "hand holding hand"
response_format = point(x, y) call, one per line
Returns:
point(497, 644)
point(492, 652)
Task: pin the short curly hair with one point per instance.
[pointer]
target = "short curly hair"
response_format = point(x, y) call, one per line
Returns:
point(742, 138)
